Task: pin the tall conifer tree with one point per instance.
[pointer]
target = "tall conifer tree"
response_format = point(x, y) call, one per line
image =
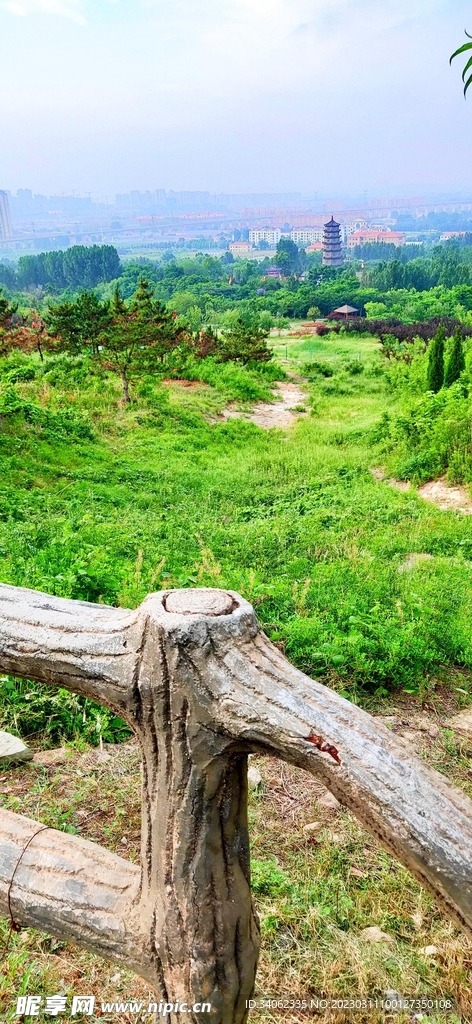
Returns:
point(456, 361)
point(436, 362)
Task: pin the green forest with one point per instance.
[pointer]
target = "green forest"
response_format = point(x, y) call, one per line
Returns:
point(130, 463)
point(409, 282)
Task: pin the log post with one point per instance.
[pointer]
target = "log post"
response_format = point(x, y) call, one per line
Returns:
point(195, 901)
point(202, 687)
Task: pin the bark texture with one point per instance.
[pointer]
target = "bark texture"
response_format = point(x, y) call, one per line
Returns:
point(70, 888)
point(202, 687)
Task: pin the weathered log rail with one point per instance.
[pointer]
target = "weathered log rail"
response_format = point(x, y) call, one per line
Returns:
point(202, 687)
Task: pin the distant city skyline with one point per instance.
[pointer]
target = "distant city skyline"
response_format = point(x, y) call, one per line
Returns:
point(106, 96)
point(135, 199)
point(302, 210)
point(160, 219)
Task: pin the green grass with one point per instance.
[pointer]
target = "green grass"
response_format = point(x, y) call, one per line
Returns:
point(317, 888)
point(167, 494)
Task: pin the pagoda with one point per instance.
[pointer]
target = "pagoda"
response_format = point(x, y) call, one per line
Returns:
point(332, 245)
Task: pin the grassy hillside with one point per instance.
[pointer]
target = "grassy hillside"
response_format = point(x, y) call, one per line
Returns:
point(105, 504)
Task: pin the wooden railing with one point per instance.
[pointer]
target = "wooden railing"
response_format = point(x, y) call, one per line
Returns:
point(202, 687)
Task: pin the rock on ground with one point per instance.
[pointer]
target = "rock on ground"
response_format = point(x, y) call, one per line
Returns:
point(313, 827)
point(13, 749)
point(462, 723)
point(328, 801)
point(254, 777)
point(375, 934)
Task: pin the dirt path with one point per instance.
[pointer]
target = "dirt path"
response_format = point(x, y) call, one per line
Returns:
point(445, 496)
point(280, 414)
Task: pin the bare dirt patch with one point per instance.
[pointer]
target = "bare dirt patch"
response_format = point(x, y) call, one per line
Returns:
point(282, 413)
point(399, 485)
point(446, 497)
point(184, 383)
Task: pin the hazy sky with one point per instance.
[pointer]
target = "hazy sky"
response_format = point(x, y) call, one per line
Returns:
point(233, 95)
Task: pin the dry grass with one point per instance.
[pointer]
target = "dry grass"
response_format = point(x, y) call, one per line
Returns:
point(315, 889)
point(341, 882)
point(97, 795)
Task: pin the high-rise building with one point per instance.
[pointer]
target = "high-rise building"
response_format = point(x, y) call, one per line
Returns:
point(6, 230)
point(332, 245)
point(306, 236)
point(270, 235)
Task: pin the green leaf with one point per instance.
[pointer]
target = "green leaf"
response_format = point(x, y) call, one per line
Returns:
point(468, 65)
point(462, 49)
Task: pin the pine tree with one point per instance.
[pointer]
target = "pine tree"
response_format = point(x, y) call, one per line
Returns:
point(143, 302)
point(78, 325)
point(456, 361)
point(245, 341)
point(436, 362)
point(140, 335)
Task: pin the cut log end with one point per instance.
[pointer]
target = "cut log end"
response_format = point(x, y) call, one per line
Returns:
point(199, 602)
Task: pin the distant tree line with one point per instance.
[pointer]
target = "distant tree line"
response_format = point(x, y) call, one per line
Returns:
point(449, 265)
point(433, 222)
point(80, 266)
point(204, 289)
point(385, 251)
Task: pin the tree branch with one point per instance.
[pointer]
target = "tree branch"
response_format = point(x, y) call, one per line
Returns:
point(72, 889)
point(250, 692)
point(87, 648)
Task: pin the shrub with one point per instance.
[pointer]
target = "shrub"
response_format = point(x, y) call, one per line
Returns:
point(433, 437)
point(52, 425)
point(316, 369)
point(355, 366)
